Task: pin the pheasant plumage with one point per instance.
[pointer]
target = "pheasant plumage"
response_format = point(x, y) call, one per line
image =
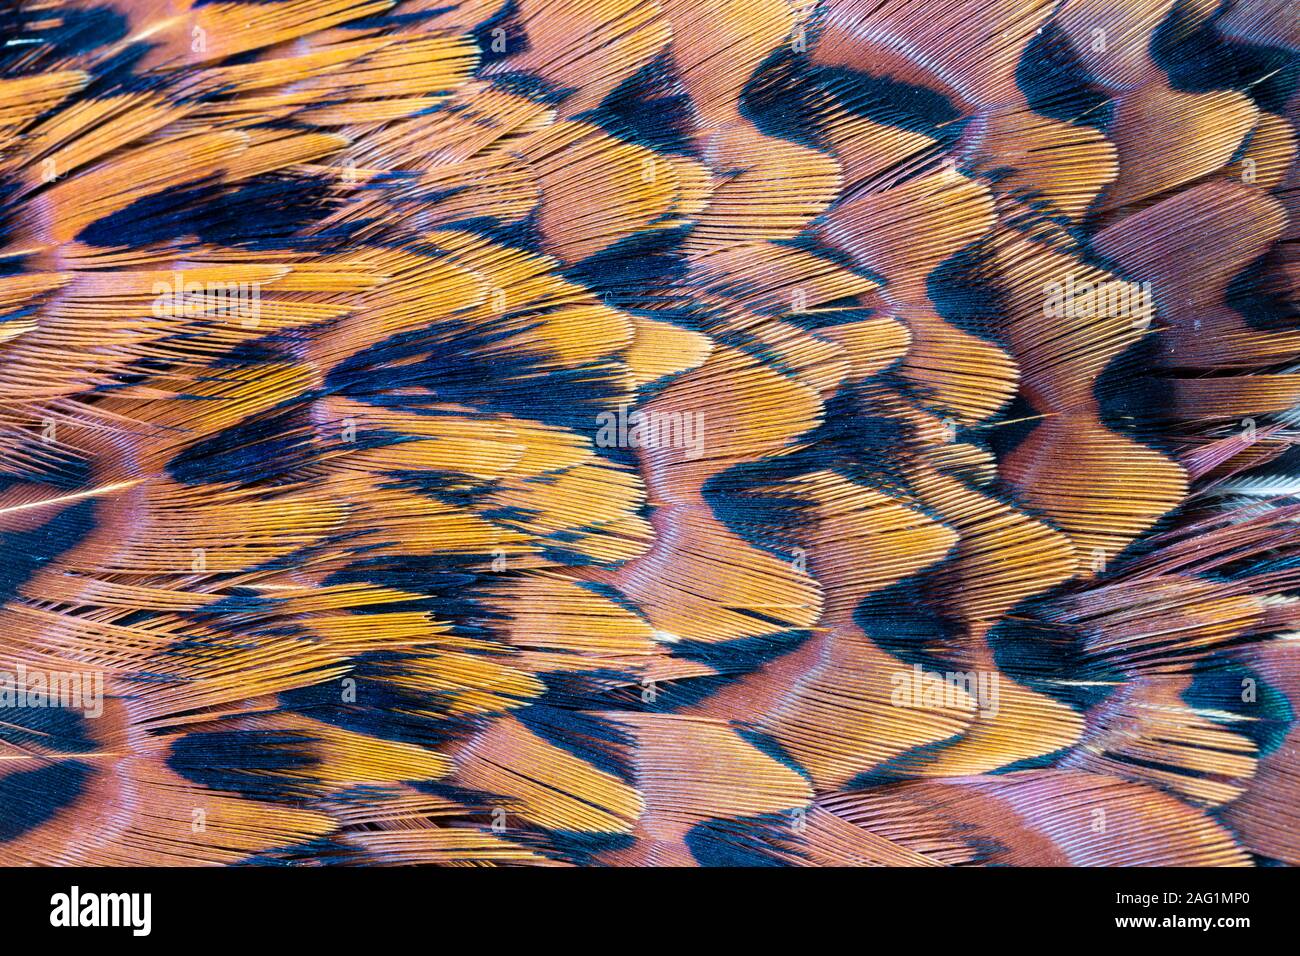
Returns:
point(650, 432)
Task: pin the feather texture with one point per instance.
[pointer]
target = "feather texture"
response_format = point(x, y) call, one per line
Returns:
point(649, 432)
